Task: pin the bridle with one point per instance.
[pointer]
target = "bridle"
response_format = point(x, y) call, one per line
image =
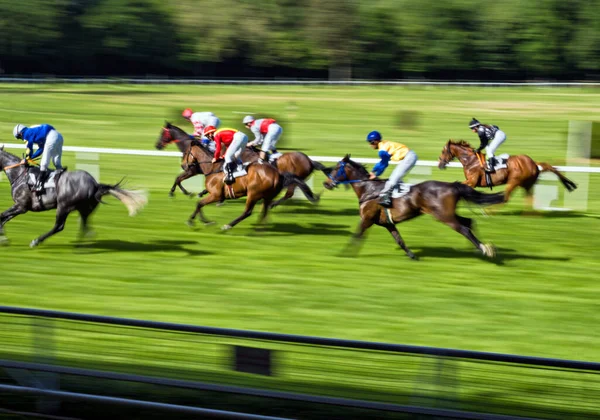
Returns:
point(338, 180)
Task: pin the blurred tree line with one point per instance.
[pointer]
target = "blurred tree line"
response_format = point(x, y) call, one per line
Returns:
point(458, 39)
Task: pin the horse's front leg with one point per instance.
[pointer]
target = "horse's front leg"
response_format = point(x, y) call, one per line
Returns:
point(61, 217)
point(398, 238)
point(182, 177)
point(5, 217)
point(198, 212)
point(353, 247)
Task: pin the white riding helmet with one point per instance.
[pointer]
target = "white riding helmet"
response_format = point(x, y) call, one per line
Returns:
point(248, 119)
point(17, 130)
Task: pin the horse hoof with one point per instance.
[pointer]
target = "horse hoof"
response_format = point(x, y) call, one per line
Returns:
point(412, 256)
point(208, 223)
point(34, 243)
point(489, 250)
point(220, 203)
point(4, 241)
point(226, 227)
point(190, 223)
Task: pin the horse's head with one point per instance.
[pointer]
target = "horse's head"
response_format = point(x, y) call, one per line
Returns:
point(454, 149)
point(446, 156)
point(346, 172)
point(170, 134)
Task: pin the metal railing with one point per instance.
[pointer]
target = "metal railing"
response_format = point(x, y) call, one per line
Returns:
point(325, 371)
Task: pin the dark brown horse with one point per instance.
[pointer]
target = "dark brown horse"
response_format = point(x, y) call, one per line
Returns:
point(521, 170)
point(432, 197)
point(263, 182)
point(296, 163)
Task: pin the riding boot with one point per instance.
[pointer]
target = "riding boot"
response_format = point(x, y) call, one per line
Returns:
point(229, 179)
point(262, 157)
point(385, 198)
point(489, 168)
point(42, 177)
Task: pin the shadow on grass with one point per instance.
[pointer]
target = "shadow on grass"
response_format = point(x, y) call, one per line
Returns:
point(117, 245)
point(503, 255)
point(296, 229)
point(550, 214)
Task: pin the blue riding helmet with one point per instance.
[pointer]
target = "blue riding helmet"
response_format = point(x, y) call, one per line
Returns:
point(373, 136)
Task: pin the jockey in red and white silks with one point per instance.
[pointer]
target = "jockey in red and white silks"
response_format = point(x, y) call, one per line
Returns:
point(266, 133)
point(200, 120)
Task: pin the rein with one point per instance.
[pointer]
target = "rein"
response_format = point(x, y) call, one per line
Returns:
point(345, 180)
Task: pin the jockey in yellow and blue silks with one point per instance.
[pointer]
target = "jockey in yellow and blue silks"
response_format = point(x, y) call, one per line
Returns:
point(390, 151)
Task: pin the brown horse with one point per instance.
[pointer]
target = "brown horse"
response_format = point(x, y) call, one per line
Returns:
point(521, 170)
point(296, 163)
point(263, 182)
point(433, 197)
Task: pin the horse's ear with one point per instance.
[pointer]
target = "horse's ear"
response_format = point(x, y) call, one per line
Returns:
point(346, 158)
point(167, 124)
point(1, 146)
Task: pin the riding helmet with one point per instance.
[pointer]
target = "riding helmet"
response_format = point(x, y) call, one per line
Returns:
point(374, 136)
point(209, 130)
point(474, 123)
point(187, 113)
point(17, 130)
point(248, 119)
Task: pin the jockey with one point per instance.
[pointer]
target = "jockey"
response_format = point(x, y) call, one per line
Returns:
point(49, 144)
point(490, 137)
point(396, 152)
point(234, 140)
point(266, 132)
point(201, 120)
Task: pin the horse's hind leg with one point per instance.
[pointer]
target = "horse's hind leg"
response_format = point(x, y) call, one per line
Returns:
point(250, 203)
point(84, 212)
point(61, 217)
point(398, 238)
point(267, 204)
point(464, 226)
point(288, 194)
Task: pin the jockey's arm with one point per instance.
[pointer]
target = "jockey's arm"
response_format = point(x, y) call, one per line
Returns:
point(383, 163)
point(218, 147)
point(482, 138)
point(35, 154)
point(258, 137)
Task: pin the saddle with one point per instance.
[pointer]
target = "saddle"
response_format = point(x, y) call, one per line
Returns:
point(497, 162)
point(401, 190)
point(33, 175)
point(240, 169)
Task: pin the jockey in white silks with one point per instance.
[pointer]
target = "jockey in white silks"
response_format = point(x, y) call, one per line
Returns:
point(266, 133)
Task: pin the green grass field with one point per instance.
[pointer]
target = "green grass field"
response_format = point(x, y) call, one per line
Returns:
point(539, 297)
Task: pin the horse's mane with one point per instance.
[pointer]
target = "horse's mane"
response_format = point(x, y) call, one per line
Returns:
point(8, 155)
point(361, 168)
point(183, 133)
point(460, 143)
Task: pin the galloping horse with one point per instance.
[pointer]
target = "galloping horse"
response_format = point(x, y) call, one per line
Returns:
point(296, 163)
point(76, 190)
point(433, 197)
point(521, 170)
point(262, 182)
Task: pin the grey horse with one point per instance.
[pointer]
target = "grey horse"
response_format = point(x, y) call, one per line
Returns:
point(76, 190)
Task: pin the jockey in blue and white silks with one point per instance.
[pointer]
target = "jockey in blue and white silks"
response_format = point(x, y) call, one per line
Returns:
point(49, 144)
point(390, 151)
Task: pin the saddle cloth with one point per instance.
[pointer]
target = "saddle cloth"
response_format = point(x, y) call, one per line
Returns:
point(240, 169)
point(500, 161)
point(33, 177)
point(401, 190)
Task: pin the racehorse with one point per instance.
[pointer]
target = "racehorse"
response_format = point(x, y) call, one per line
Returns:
point(521, 170)
point(296, 163)
point(433, 197)
point(262, 182)
point(76, 190)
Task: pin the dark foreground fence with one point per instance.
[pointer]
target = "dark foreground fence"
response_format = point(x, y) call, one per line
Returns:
point(59, 357)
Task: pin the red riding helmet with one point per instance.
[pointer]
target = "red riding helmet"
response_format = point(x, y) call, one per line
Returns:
point(187, 113)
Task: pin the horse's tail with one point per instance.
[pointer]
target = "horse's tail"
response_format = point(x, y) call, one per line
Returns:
point(545, 167)
point(133, 200)
point(479, 198)
point(320, 167)
point(291, 179)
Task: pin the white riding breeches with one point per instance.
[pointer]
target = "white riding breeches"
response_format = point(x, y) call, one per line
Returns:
point(499, 138)
point(237, 146)
point(401, 169)
point(274, 132)
point(52, 150)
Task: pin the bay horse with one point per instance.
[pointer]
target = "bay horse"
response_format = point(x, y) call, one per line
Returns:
point(262, 182)
point(77, 190)
point(436, 198)
point(521, 170)
point(296, 163)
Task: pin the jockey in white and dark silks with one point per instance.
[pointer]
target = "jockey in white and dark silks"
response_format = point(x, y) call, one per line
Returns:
point(390, 151)
point(234, 140)
point(490, 137)
point(200, 120)
point(49, 144)
point(266, 132)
